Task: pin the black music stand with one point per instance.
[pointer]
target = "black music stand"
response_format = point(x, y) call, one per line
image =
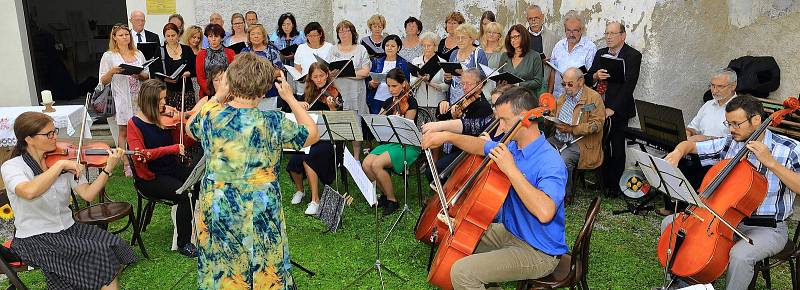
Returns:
point(396, 129)
point(669, 179)
point(338, 127)
point(384, 130)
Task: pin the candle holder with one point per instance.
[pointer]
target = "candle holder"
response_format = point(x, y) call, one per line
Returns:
point(48, 107)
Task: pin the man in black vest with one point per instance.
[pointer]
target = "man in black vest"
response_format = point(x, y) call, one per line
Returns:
point(618, 99)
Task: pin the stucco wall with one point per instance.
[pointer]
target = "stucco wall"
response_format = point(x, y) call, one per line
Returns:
point(681, 40)
point(15, 59)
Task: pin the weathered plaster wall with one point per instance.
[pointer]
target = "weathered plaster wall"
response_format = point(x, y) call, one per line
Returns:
point(681, 40)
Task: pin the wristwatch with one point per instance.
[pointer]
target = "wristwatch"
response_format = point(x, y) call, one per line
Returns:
point(103, 170)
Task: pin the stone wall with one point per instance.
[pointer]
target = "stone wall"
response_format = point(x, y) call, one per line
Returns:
point(681, 40)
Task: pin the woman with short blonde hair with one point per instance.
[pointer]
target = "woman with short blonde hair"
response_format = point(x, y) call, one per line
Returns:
point(373, 42)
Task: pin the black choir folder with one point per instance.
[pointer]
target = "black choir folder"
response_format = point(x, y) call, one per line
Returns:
point(508, 77)
point(128, 69)
point(174, 74)
point(430, 68)
point(289, 50)
point(345, 67)
point(614, 66)
point(453, 68)
point(237, 47)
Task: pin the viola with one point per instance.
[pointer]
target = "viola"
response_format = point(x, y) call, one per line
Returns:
point(484, 192)
point(94, 154)
point(697, 244)
point(466, 100)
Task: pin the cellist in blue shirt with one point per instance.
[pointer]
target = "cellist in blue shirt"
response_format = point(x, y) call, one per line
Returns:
point(529, 238)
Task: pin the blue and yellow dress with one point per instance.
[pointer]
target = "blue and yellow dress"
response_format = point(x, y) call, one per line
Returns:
point(242, 238)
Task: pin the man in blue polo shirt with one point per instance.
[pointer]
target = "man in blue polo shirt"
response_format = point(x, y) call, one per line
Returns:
point(530, 236)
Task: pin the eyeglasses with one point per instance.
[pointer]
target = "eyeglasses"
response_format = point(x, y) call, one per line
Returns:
point(534, 18)
point(344, 30)
point(573, 31)
point(515, 36)
point(50, 135)
point(736, 125)
point(568, 84)
point(238, 23)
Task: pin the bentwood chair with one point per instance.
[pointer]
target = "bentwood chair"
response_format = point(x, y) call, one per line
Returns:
point(107, 211)
point(572, 268)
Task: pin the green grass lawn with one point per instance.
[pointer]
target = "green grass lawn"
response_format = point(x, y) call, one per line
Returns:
point(622, 248)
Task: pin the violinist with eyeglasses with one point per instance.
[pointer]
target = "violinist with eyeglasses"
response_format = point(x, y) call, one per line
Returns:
point(162, 167)
point(70, 255)
point(470, 115)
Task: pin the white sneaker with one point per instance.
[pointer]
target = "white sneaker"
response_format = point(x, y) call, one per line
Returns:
point(312, 208)
point(298, 197)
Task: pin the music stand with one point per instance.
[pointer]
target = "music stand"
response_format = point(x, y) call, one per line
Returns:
point(337, 127)
point(378, 267)
point(396, 129)
point(669, 179)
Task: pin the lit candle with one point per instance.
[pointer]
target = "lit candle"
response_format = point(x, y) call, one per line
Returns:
point(47, 97)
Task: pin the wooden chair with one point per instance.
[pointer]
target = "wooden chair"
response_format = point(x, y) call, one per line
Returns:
point(108, 211)
point(10, 266)
point(572, 268)
point(790, 254)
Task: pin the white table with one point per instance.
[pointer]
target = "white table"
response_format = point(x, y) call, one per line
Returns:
point(66, 118)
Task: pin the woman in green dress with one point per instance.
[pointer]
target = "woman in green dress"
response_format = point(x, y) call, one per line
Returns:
point(241, 238)
point(392, 155)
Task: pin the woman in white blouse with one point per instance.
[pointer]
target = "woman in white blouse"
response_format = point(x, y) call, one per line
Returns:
point(353, 90)
point(71, 255)
point(315, 45)
point(432, 92)
point(124, 87)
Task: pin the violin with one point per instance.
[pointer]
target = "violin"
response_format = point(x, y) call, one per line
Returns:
point(469, 97)
point(402, 102)
point(335, 97)
point(484, 188)
point(697, 244)
point(171, 117)
point(94, 154)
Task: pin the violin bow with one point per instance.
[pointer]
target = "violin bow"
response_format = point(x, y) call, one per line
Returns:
point(83, 128)
point(325, 88)
point(183, 108)
point(439, 189)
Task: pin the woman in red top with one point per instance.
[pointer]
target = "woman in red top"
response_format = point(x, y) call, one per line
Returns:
point(214, 56)
point(158, 171)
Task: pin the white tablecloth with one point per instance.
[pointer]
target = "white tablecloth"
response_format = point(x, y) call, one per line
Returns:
point(66, 118)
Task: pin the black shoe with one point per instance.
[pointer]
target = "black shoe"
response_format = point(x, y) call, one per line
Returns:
point(382, 201)
point(390, 207)
point(188, 250)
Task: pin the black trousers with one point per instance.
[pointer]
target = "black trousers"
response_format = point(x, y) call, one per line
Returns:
point(164, 187)
point(614, 152)
point(443, 162)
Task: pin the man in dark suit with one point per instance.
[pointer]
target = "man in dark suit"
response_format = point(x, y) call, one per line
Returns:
point(618, 99)
point(140, 35)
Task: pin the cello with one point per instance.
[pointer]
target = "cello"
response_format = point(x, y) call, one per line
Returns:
point(697, 244)
point(484, 193)
point(462, 166)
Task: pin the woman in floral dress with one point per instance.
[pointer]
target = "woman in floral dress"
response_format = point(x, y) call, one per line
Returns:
point(242, 239)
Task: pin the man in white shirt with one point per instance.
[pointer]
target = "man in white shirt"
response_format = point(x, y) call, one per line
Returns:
point(542, 39)
point(138, 33)
point(708, 123)
point(574, 50)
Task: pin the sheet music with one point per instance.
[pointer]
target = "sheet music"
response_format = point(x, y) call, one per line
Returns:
point(407, 130)
point(296, 74)
point(344, 124)
point(488, 70)
point(291, 116)
point(361, 179)
point(674, 183)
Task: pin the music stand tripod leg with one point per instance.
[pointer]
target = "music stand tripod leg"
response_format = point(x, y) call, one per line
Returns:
point(304, 269)
point(405, 196)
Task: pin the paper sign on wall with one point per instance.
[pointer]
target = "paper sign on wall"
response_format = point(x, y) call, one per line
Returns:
point(161, 7)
